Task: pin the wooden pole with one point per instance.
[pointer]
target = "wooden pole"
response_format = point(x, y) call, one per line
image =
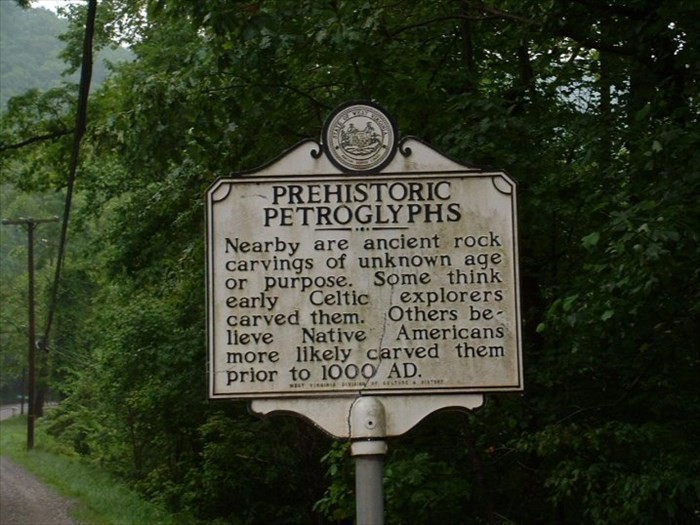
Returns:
point(31, 225)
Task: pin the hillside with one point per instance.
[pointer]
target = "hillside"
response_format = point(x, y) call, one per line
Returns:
point(29, 51)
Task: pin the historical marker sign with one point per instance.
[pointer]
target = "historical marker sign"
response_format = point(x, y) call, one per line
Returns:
point(361, 270)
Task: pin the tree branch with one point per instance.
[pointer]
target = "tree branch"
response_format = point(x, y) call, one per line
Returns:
point(612, 8)
point(491, 13)
point(32, 140)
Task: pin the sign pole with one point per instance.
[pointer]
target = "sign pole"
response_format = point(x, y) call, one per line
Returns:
point(368, 447)
point(369, 487)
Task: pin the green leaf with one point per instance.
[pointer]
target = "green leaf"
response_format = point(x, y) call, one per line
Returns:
point(569, 302)
point(590, 240)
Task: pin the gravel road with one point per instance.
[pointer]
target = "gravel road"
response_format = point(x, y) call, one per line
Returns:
point(24, 500)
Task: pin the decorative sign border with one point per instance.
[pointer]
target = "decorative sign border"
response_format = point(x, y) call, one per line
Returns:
point(265, 218)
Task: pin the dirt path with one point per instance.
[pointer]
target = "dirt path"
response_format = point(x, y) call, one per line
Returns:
point(24, 500)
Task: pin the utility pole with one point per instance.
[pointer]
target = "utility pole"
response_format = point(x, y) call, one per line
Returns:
point(31, 225)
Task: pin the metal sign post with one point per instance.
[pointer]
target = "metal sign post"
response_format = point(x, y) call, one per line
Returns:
point(369, 489)
point(363, 282)
point(368, 447)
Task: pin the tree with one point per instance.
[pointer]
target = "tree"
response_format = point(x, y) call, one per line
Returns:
point(591, 107)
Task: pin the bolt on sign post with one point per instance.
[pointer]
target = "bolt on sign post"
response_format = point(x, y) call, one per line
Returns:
point(363, 282)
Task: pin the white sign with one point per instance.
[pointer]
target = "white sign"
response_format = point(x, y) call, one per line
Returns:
point(323, 283)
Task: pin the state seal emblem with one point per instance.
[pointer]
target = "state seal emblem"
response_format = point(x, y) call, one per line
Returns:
point(360, 136)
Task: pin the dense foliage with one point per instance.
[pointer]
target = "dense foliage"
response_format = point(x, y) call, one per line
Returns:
point(591, 106)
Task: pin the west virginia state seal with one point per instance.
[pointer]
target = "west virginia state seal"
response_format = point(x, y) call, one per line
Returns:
point(360, 136)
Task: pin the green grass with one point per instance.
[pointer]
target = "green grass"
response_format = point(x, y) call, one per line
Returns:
point(101, 500)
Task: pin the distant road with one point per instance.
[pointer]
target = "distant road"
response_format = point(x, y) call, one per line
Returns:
point(7, 411)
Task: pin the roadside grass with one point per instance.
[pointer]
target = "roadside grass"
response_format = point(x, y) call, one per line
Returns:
point(101, 500)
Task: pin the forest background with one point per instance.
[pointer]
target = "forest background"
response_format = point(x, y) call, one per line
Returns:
point(591, 106)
